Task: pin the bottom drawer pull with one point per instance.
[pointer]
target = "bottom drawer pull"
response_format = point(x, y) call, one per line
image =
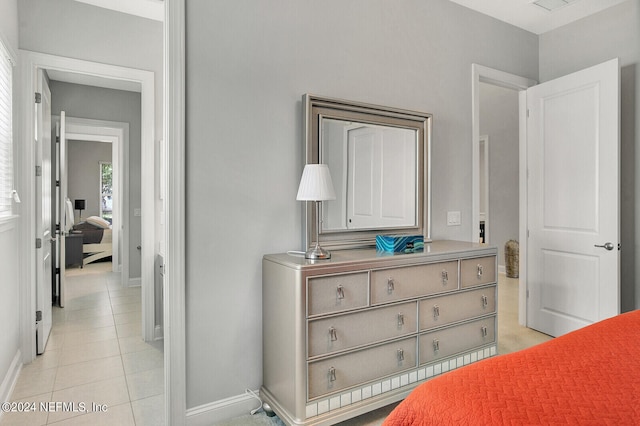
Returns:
point(400, 354)
point(436, 345)
point(332, 374)
point(484, 331)
point(485, 301)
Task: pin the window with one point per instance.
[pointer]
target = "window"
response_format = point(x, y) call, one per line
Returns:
point(106, 191)
point(6, 138)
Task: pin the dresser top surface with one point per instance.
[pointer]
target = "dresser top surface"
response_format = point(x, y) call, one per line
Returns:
point(433, 251)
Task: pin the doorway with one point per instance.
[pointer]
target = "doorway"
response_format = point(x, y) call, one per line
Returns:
point(31, 62)
point(489, 86)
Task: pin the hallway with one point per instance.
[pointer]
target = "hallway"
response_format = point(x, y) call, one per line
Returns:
point(95, 359)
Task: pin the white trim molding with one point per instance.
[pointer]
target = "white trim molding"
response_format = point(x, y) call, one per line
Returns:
point(9, 380)
point(219, 411)
point(174, 268)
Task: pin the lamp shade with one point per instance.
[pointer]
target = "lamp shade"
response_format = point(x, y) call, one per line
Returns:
point(79, 204)
point(316, 184)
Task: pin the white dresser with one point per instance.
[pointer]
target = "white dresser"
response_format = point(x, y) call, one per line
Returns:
point(345, 336)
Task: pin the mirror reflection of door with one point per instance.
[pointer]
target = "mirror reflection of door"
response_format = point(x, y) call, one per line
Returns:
point(372, 184)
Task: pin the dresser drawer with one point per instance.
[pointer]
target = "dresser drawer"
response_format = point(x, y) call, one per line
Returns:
point(478, 271)
point(341, 372)
point(388, 285)
point(337, 293)
point(326, 335)
point(443, 310)
point(443, 343)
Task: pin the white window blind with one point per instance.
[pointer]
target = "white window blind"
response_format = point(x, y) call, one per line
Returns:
point(6, 139)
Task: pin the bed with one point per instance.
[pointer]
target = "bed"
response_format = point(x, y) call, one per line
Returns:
point(96, 235)
point(589, 376)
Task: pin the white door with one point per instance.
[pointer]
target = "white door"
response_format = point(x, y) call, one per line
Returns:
point(65, 213)
point(44, 236)
point(573, 200)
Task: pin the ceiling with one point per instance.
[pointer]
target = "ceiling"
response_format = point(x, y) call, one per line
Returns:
point(534, 15)
point(151, 9)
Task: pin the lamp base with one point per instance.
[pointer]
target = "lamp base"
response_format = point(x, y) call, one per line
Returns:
point(317, 253)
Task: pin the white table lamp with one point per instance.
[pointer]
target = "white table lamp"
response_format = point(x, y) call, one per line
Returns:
point(316, 186)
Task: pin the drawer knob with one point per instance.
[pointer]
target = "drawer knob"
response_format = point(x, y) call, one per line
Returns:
point(400, 320)
point(340, 292)
point(485, 301)
point(390, 285)
point(400, 354)
point(332, 374)
point(333, 334)
point(484, 331)
point(436, 311)
point(436, 345)
point(445, 278)
point(479, 271)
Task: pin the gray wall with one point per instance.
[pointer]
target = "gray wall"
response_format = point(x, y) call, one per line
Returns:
point(98, 103)
point(248, 64)
point(83, 174)
point(612, 33)
point(9, 261)
point(499, 121)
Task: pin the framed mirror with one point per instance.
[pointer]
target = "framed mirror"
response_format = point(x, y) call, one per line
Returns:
point(379, 160)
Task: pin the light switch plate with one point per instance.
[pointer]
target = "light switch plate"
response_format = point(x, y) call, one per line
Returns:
point(137, 212)
point(453, 218)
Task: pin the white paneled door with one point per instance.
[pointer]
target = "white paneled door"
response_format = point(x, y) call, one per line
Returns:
point(573, 200)
point(44, 228)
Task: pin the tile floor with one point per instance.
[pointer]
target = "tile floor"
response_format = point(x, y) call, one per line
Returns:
point(95, 355)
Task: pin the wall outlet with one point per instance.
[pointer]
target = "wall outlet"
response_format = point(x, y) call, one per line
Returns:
point(137, 212)
point(453, 218)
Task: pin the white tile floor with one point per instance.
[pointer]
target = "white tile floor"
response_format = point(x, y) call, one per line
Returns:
point(95, 355)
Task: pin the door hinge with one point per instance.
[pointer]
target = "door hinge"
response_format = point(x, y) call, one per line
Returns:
point(38, 316)
point(527, 233)
point(38, 171)
point(38, 97)
point(57, 271)
point(57, 183)
point(57, 228)
point(527, 293)
point(38, 243)
point(57, 139)
point(527, 112)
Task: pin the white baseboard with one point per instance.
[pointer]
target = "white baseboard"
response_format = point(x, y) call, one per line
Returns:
point(219, 411)
point(134, 282)
point(10, 379)
point(502, 269)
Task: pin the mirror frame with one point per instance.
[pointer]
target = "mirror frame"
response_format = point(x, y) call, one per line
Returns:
point(317, 107)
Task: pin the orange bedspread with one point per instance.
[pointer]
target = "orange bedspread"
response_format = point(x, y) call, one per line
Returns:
point(590, 376)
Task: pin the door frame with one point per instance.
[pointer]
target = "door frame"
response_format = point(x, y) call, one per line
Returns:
point(117, 134)
point(483, 74)
point(175, 184)
point(29, 64)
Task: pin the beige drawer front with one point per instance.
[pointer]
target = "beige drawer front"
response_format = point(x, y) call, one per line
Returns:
point(388, 285)
point(443, 343)
point(337, 293)
point(481, 270)
point(346, 331)
point(344, 371)
point(443, 310)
